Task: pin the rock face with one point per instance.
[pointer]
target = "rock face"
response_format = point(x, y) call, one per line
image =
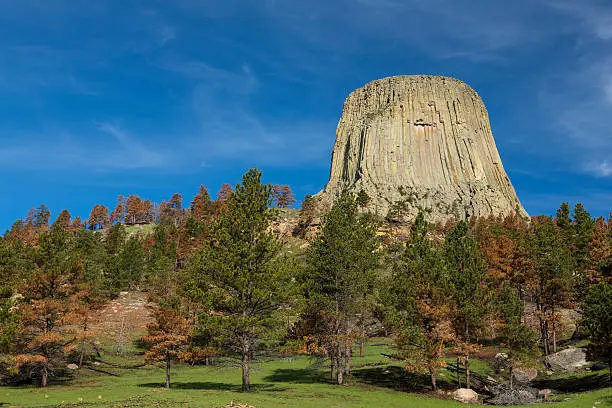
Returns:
point(424, 141)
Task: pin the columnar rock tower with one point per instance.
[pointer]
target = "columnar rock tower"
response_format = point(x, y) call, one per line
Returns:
point(424, 141)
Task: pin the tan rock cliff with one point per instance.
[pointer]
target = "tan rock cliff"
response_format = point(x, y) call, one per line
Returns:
point(425, 141)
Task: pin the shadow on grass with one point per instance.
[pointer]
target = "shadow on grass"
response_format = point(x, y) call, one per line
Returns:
point(577, 383)
point(296, 376)
point(395, 378)
point(213, 386)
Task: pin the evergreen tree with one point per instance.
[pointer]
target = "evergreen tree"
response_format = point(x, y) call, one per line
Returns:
point(597, 322)
point(237, 276)
point(64, 219)
point(340, 268)
point(43, 337)
point(167, 338)
point(131, 264)
point(467, 275)
point(583, 228)
point(89, 246)
point(600, 252)
point(420, 309)
point(550, 280)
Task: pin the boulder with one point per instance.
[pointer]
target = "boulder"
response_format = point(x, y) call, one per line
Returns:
point(570, 359)
point(465, 395)
point(72, 367)
point(524, 375)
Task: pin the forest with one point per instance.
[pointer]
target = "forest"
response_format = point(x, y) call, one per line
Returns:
point(223, 286)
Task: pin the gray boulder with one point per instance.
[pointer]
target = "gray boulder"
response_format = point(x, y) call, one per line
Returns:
point(524, 375)
point(570, 359)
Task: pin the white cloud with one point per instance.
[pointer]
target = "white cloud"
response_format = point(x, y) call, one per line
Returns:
point(601, 169)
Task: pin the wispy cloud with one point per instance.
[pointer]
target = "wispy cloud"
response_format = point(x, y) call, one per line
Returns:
point(64, 151)
point(131, 152)
point(578, 102)
point(595, 16)
point(475, 30)
point(602, 168)
point(233, 129)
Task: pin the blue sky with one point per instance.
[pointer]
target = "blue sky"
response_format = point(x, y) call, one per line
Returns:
point(155, 97)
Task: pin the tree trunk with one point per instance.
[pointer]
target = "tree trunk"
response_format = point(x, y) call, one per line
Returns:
point(246, 376)
point(554, 333)
point(347, 359)
point(610, 365)
point(432, 374)
point(362, 345)
point(543, 334)
point(458, 374)
point(44, 377)
point(167, 371)
point(82, 357)
point(467, 371)
point(546, 338)
point(333, 368)
point(339, 364)
point(511, 378)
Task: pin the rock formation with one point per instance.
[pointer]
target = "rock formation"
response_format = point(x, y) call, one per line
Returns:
point(424, 142)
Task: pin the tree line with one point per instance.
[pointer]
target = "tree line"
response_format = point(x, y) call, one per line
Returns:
point(222, 284)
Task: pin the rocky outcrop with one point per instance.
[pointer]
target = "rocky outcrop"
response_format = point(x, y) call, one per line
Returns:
point(425, 142)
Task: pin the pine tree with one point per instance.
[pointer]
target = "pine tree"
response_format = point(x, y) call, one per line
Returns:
point(131, 264)
point(64, 219)
point(419, 307)
point(550, 279)
point(600, 252)
point(119, 213)
point(225, 193)
point(340, 268)
point(237, 276)
point(201, 205)
point(467, 274)
point(98, 218)
point(597, 322)
point(43, 336)
point(167, 338)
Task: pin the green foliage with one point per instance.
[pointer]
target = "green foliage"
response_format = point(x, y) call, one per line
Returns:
point(131, 264)
point(338, 282)
point(363, 199)
point(597, 321)
point(238, 276)
point(520, 338)
point(90, 247)
point(419, 307)
point(467, 274)
point(9, 320)
point(342, 259)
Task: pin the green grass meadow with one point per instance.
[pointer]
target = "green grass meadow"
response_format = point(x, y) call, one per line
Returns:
point(280, 382)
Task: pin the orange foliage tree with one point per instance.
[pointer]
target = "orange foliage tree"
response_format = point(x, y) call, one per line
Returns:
point(167, 338)
point(44, 336)
point(98, 218)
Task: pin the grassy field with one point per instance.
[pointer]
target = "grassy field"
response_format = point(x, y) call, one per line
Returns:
point(282, 382)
